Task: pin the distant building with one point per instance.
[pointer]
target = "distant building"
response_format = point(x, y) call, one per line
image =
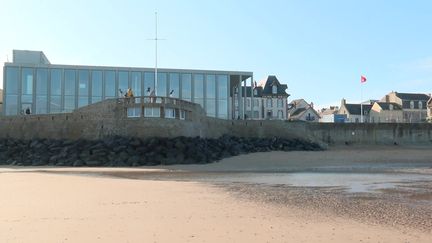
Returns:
point(300, 110)
point(32, 82)
point(268, 100)
point(386, 112)
point(330, 115)
point(414, 105)
point(1, 102)
point(353, 112)
point(429, 108)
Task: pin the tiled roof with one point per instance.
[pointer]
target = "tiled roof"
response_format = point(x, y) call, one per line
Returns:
point(406, 104)
point(281, 88)
point(412, 96)
point(329, 112)
point(298, 111)
point(386, 106)
point(355, 109)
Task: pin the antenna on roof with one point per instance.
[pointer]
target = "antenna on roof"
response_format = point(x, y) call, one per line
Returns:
point(156, 39)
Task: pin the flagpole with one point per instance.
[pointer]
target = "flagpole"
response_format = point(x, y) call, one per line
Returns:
point(361, 102)
point(156, 54)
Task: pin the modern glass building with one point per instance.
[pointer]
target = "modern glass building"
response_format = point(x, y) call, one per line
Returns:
point(31, 81)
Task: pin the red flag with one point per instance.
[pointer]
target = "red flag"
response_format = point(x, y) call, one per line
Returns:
point(363, 79)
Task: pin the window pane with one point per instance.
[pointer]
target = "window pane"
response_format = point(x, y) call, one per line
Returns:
point(186, 87)
point(96, 99)
point(110, 90)
point(162, 85)
point(198, 86)
point(222, 81)
point(96, 84)
point(41, 104)
point(169, 113)
point(83, 83)
point(56, 81)
point(123, 81)
point(12, 80)
point(69, 103)
point(82, 101)
point(55, 104)
point(174, 85)
point(211, 86)
point(27, 81)
point(148, 83)
point(41, 82)
point(211, 107)
point(12, 105)
point(134, 112)
point(83, 88)
point(156, 111)
point(136, 83)
point(70, 82)
point(223, 109)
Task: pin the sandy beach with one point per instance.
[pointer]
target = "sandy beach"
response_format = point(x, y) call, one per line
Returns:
point(166, 204)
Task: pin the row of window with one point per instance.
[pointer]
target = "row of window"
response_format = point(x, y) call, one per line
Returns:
point(269, 102)
point(156, 112)
point(63, 90)
point(420, 104)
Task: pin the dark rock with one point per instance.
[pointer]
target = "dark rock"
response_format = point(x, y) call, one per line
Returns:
point(78, 163)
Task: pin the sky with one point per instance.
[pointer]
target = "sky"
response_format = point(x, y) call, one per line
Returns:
point(319, 48)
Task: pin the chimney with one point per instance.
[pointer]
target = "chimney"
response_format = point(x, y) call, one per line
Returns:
point(387, 99)
point(311, 104)
point(343, 102)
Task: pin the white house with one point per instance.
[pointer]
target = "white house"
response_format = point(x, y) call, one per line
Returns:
point(300, 110)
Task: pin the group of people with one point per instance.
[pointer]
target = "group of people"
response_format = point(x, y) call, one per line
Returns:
point(129, 94)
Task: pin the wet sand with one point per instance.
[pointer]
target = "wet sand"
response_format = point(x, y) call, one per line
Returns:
point(169, 205)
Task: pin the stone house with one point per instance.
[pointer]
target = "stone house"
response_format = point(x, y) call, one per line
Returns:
point(300, 110)
point(268, 100)
point(382, 112)
point(353, 112)
point(413, 105)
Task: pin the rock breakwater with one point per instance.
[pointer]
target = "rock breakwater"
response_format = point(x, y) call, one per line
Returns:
point(122, 151)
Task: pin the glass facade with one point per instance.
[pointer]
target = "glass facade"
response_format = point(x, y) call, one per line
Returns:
point(110, 84)
point(62, 89)
point(123, 81)
point(83, 88)
point(11, 92)
point(96, 85)
point(136, 83)
point(222, 96)
point(161, 89)
point(174, 85)
point(186, 83)
point(41, 91)
point(198, 85)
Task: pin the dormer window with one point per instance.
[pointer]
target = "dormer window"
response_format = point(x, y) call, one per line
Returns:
point(412, 104)
point(255, 92)
point(420, 105)
point(274, 89)
point(391, 107)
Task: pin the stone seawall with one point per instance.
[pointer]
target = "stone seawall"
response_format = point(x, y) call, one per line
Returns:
point(108, 119)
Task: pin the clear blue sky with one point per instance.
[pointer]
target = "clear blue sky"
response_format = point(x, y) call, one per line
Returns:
point(318, 48)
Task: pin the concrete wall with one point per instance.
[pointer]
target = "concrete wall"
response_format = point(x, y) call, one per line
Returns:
point(99, 121)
